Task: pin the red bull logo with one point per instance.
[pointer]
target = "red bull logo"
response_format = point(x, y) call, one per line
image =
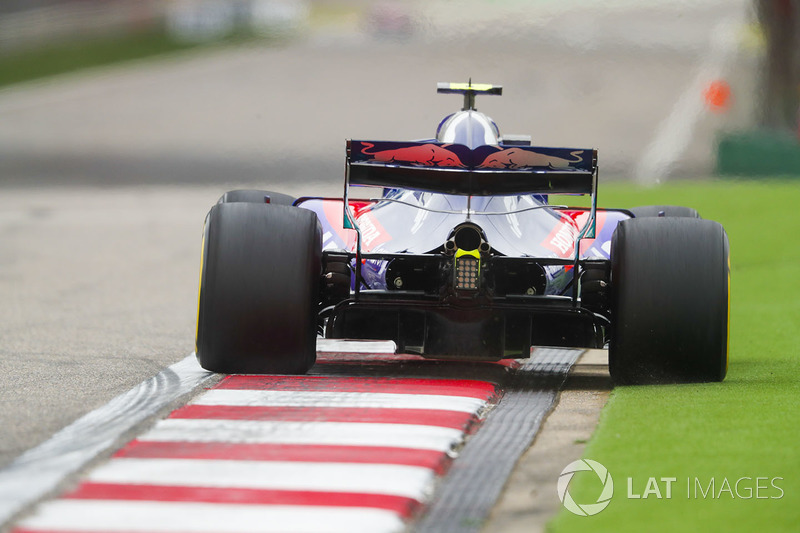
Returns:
point(429, 155)
point(517, 158)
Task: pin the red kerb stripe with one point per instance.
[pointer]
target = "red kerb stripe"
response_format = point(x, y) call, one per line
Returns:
point(401, 505)
point(425, 417)
point(447, 387)
point(432, 459)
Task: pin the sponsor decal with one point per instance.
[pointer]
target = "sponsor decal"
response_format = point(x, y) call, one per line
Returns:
point(459, 156)
point(429, 155)
point(372, 233)
point(600, 247)
point(517, 158)
point(331, 216)
point(561, 240)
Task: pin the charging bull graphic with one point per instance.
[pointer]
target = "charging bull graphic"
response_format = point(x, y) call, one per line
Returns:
point(429, 155)
point(517, 158)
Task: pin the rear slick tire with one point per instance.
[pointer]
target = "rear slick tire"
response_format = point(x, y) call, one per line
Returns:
point(259, 289)
point(670, 293)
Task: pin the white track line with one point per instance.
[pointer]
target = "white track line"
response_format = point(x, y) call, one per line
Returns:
point(398, 480)
point(276, 398)
point(174, 517)
point(41, 469)
point(324, 433)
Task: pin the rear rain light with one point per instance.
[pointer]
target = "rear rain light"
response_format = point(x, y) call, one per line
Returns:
point(467, 270)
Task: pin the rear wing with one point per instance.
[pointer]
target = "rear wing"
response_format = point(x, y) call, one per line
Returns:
point(483, 171)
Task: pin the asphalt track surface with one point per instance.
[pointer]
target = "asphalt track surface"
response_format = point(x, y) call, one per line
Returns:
point(106, 176)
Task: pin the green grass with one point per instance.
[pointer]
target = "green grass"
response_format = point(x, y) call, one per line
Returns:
point(39, 62)
point(746, 426)
point(48, 60)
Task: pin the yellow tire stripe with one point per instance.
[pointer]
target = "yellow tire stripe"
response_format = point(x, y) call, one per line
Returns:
point(199, 288)
point(728, 332)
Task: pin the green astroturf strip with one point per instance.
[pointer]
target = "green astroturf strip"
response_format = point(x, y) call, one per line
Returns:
point(746, 426)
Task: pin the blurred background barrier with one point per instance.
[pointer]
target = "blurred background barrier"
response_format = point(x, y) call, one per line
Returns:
point(664, 89)
point(771, 145)
point(758, 153)
point(39, 38)
point(33, 23)
point(204, 20)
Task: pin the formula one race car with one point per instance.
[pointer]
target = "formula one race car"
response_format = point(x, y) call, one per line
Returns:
point(461, 255)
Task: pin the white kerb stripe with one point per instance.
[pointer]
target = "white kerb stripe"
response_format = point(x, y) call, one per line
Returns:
point(399, 480)
point(324, 433)
point(272, 398)
point(356, 346)
point(172, 517)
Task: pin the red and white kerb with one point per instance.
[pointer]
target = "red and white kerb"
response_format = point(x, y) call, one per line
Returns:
point(279, 453)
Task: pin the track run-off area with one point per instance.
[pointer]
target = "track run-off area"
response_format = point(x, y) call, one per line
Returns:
point(369, 441)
